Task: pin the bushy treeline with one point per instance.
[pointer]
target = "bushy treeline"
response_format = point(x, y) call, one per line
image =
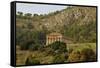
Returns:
point(58, 51)
point(30, 40)
point(60, 54)
point(34, 16)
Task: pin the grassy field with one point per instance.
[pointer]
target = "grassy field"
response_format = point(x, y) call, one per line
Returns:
point(45, 58)
point(80, 46)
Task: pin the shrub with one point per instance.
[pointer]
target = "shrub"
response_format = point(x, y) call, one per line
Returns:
point(86, 54)
point(59, 59)
point(58, 46)
point(34, 47)
point(31, 61)
point(74, 56)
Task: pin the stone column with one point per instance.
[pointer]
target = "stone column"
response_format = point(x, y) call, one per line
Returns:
point(52, 39)
point(47, 40)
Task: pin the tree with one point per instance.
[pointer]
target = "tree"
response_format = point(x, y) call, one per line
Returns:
point(31, 61)
point(34, 47)
point(56, 12)
point(86, 54)
point(59, 58)
point(35, 14)
point(28, 14)
point(74, 56)
point(59, 46)
point(20, 13)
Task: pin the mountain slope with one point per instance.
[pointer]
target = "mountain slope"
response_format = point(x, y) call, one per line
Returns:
point(77, 23)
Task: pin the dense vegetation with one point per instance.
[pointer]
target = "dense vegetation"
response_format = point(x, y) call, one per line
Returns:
point(78, 24)
point(48, 55)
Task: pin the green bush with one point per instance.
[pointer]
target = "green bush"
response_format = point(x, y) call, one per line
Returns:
point(59, 58)
point(58, 46)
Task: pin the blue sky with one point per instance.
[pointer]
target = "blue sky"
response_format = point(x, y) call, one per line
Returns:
point(38, 8)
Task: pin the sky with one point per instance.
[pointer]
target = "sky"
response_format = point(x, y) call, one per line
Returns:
point(37, 8)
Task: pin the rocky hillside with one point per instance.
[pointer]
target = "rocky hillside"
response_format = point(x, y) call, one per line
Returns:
point(77, 23)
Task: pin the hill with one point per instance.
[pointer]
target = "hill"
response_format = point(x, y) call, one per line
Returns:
point(77, 23)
